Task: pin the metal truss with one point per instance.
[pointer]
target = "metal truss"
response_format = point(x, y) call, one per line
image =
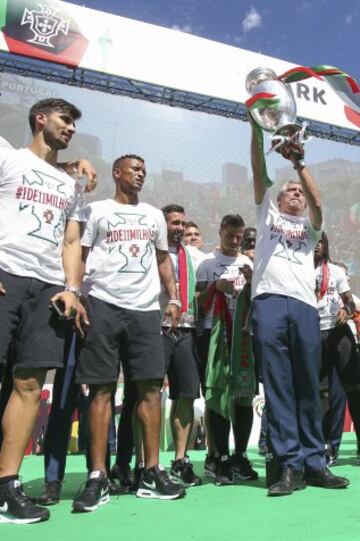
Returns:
point(111, 84)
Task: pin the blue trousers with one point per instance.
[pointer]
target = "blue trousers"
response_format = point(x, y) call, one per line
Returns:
point(287, 344)
point(65, 397)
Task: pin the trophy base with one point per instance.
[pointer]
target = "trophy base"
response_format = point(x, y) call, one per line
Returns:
point(288, 130)
point(294, 134)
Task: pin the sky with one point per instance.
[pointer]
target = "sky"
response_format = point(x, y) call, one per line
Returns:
point(305, 32)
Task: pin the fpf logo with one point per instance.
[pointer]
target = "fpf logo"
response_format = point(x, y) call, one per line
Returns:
point(45, 25)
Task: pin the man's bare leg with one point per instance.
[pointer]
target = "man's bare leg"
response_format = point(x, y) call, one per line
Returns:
point(19, 418)
point(149, 413)
point(99, 422)
point(181, 418)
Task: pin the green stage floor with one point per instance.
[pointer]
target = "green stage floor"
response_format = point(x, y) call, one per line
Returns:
point(207, 513)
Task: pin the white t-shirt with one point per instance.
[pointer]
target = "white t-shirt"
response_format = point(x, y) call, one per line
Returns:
point(331, 302)
point(284, 254)
point(36, 200)
point(123, 267)
point(218, 265)
point(186, 320)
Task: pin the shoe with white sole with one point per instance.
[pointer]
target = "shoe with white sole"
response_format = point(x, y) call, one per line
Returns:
point(17, 508)
point(95, 493)
point(157, 483)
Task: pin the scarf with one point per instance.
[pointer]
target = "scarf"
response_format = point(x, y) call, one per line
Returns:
point(323, 285)
point(230, 369)
point(187, 282)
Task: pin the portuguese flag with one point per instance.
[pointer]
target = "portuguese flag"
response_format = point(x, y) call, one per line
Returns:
point(230, 371)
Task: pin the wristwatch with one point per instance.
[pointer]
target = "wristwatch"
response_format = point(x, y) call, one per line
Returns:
point(299, 164)
point(175, 302)
point(75, 290)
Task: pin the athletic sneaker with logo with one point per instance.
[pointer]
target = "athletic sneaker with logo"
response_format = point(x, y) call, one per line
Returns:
point(224, 471)
point(182, 470)
point(16, 507)
point(95, 493)
point(138, 471)
point(210, 466)
point(156, 483)
point(242, 468)
point(124, 474)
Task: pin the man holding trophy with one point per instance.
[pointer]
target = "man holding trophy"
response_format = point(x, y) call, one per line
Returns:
point(285, 316)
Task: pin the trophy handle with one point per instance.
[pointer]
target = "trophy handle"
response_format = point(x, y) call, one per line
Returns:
point(289, 133)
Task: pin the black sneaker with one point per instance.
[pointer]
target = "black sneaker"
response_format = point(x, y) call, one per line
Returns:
point(95, 493)
point(50, 494)
point(224, 471)
point(16, 507)
point(156, 483)
point(115, 489)
point(124, 475)
point(242, 468)
point(138, 471)
point(210, 466)
point(182, 469)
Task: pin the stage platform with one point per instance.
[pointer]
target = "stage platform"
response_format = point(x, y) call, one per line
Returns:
point(208, 513)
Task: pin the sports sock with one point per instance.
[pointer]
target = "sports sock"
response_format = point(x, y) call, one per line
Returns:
point(220, 430)
point(7, 478)
point(242, 427)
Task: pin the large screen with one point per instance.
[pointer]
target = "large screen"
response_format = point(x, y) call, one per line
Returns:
point(194, 159)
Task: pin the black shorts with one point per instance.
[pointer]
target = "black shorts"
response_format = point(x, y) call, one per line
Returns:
point(118, 333)
point(338, 352)
point(35, 333)
point(181, 362)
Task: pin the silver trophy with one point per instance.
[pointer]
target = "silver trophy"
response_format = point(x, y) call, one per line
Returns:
point(279, 120)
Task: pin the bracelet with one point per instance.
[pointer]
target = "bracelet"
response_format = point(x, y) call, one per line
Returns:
point(75, 290)
point(299, 165)
point(175, 302)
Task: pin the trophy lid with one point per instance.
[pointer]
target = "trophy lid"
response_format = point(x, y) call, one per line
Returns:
point(258, 75)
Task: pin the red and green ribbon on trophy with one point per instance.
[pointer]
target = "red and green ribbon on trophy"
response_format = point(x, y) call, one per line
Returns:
point(342, 84)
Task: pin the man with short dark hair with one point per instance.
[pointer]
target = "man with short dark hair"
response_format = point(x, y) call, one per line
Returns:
point(225, 272)
point(192, 235)
point(339, 373)
point(129, 255)
point(41, 208)
point(181, 359)
point(285, 322)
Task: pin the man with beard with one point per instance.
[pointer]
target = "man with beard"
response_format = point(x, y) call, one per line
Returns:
point(41, 208)
point(181, 358)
